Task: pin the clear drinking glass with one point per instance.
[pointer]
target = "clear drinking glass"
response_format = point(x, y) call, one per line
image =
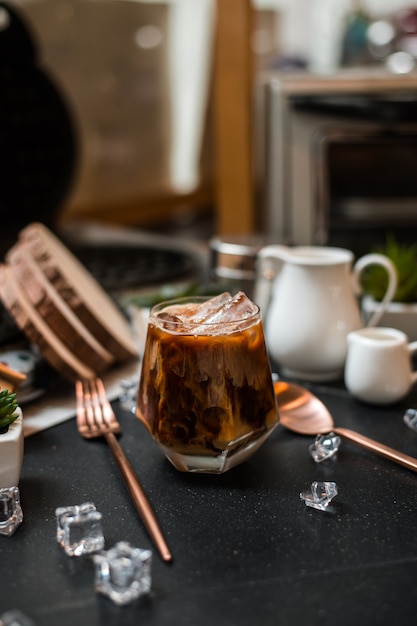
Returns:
point(206, 392)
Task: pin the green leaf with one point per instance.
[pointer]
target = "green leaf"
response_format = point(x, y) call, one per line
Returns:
point(374, 279)
point(6, 421)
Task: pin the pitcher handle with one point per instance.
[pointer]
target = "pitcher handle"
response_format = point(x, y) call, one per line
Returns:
point(378, 259)
point(412, 350)
point(268, 265)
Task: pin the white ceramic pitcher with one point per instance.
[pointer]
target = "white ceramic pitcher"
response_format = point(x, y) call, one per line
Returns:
point(308, 295)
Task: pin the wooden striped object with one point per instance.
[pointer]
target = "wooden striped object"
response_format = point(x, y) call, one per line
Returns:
point(37, 330)
point(79, 290)
point(61, 308)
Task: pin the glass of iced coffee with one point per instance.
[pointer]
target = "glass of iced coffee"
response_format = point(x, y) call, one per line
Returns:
point(206, 392)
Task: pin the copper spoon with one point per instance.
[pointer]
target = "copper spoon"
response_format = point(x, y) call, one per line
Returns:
point(303, 413)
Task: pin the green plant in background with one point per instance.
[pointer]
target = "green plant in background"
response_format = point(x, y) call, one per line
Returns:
point(374, 279)
point(8, 406)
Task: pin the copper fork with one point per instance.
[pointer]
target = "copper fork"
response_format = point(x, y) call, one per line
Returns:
point(95, 418)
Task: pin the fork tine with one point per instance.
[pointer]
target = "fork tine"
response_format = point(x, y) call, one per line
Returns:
point(97, 413)
point(106, 411)
point(80, 400)
point(89, 409)
point(82, 413)
point(87, 423)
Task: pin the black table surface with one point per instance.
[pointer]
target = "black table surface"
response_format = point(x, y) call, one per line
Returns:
point(246, 549)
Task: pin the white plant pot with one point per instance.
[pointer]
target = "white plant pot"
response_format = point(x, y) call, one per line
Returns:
point(398, 315)
point(11, 454)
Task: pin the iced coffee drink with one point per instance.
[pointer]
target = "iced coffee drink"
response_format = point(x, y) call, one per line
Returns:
point(206, 392)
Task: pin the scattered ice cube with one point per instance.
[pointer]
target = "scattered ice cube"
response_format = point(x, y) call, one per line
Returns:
point(79, 529)
point(319, 495)
point(128, 393)
point(410, 419)
point(11, 515)
point(15, 618)
point(123, 573)
point(324, 447)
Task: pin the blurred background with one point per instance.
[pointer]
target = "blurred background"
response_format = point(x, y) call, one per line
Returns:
point(166, 98)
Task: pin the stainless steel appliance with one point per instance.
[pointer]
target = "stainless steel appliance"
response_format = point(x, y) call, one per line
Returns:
point(340, 157)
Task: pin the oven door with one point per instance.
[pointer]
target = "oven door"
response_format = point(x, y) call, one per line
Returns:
point(365, 181)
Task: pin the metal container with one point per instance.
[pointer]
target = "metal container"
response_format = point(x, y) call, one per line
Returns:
point(233, 262)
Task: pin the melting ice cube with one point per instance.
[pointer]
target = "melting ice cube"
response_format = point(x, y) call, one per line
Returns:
point(201, 313)
point(201, 318)
point(79, 529)
point(324, 447)
point(11, 515)
point(123, 573)
point(410, 419)
point(233, 309)
point(128, 393)
point(319, 495)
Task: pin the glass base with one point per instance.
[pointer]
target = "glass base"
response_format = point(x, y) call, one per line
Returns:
point(237, 452)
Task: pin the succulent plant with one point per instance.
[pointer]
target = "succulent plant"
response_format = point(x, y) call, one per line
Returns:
point(8, 406)
point(374, 279)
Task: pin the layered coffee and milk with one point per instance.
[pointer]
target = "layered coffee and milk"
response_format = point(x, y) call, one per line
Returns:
point(206, 388)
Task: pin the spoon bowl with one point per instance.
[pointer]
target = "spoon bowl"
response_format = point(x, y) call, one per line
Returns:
point(302, 412)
